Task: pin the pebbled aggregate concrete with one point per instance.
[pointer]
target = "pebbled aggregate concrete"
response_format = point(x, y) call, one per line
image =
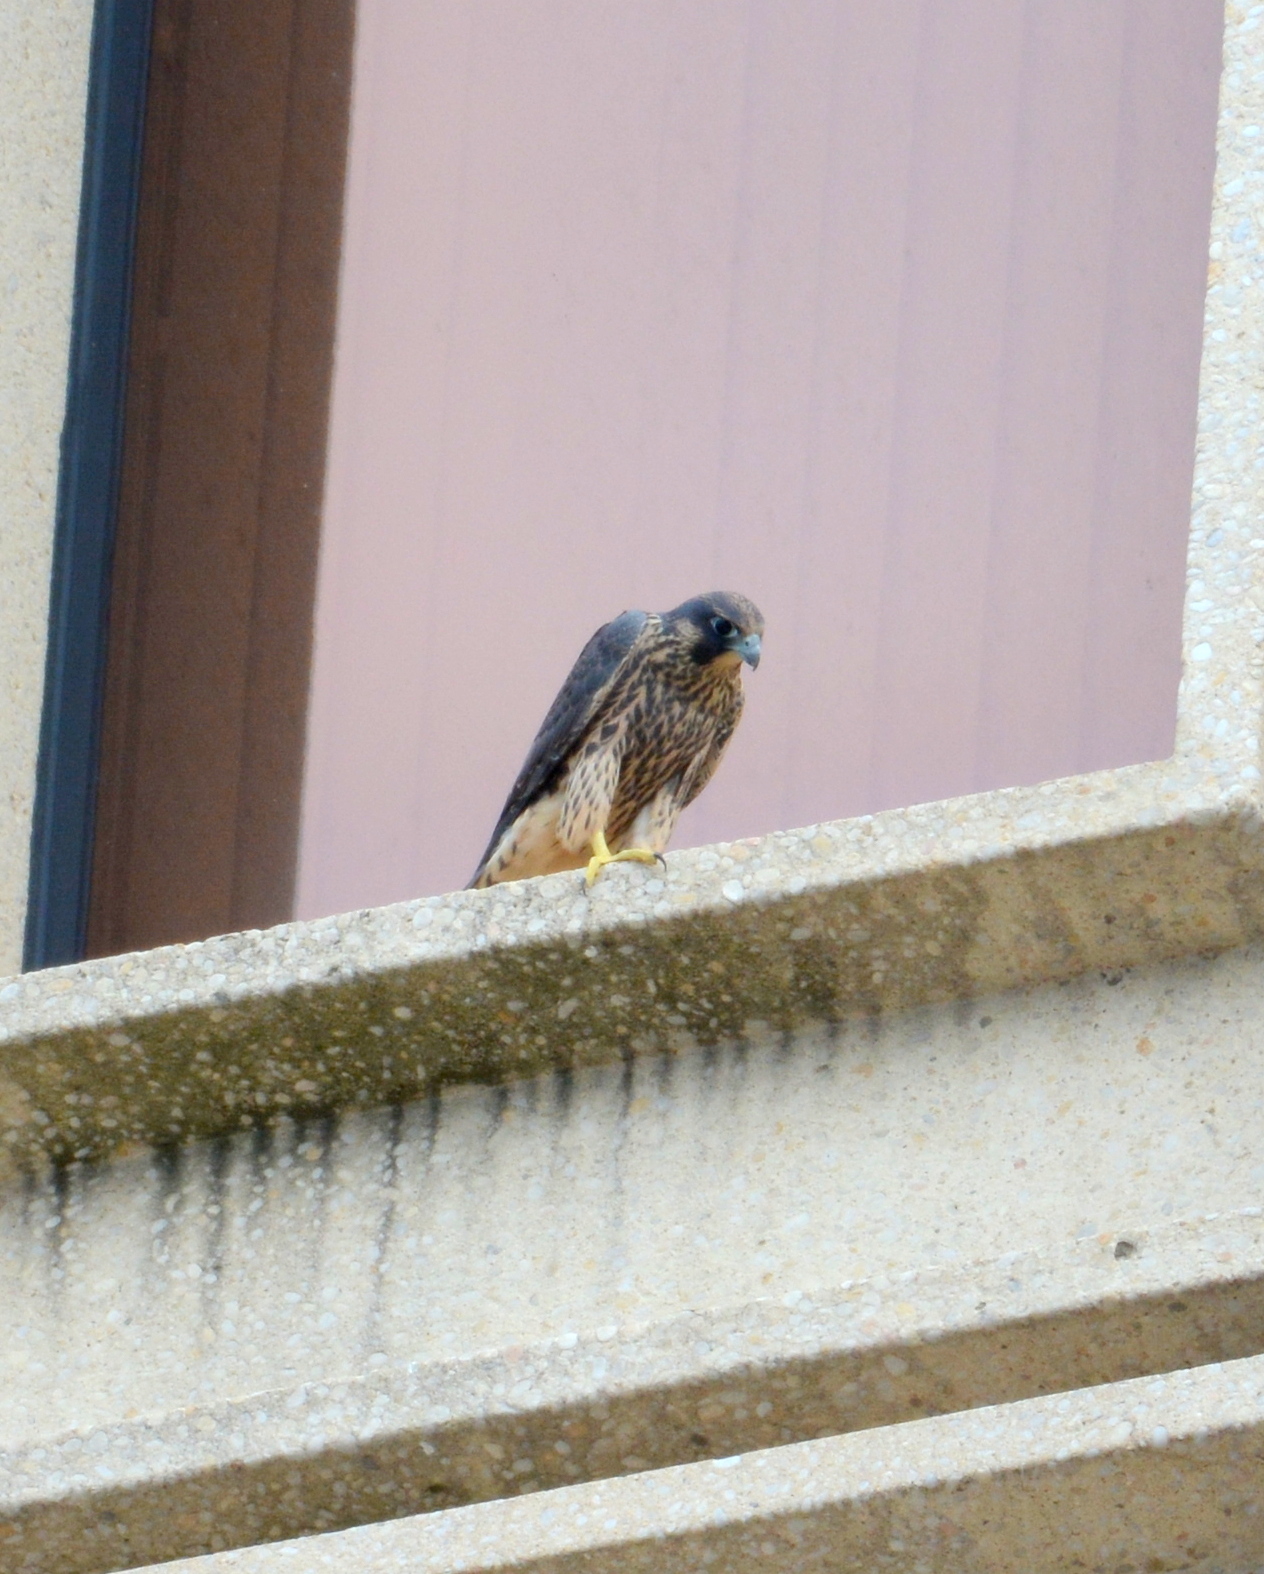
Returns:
point(1159, 1473)
point(391, 1005)
point(507, 1289)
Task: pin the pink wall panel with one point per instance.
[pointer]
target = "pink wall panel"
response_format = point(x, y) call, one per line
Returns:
point(887, 316)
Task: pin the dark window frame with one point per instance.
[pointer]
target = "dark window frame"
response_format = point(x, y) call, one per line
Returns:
point(88, 485)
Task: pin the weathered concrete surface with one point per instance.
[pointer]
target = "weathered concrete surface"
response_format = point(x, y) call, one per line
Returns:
point(484, 986)
point(932, 903)
point(43, 92)
point(645, 1264)
point(1160, 1473)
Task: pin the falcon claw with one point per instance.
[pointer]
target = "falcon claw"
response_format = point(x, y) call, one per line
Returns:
point(602, 856)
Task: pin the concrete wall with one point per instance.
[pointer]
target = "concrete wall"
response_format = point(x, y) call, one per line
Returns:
point(43, 91)
point(521, 1292)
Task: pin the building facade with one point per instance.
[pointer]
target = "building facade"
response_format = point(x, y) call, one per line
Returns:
point(877, 1193)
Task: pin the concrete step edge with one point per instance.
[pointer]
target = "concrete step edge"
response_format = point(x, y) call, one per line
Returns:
point(1156, 1473)
point(869, 1354)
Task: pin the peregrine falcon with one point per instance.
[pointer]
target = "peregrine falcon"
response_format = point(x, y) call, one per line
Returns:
point(634, 736)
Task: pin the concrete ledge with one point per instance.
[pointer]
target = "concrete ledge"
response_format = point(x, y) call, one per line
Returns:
point(649, 1263)
point(317, 1456)
point(1164, 1472)
point(801, 927)
point(944, 901)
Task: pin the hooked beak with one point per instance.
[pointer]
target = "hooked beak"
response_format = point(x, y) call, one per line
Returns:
point(749, 649)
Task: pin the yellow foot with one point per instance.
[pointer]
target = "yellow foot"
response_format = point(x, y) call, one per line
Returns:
point(601, 856)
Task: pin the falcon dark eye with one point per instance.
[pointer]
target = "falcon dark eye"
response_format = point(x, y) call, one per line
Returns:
point(722, 627)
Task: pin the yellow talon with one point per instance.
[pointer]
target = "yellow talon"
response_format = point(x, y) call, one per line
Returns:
point(603, 856)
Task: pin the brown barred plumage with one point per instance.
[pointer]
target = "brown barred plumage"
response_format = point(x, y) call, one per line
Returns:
point(632, 738)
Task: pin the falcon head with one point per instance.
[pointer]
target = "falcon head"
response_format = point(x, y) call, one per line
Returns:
point(720, 627)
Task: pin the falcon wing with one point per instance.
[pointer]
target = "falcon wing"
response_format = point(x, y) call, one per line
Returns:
point(704, 767)
point(569, 715)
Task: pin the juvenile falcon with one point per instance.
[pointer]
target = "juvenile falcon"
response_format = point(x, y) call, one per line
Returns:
point(634, 736)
